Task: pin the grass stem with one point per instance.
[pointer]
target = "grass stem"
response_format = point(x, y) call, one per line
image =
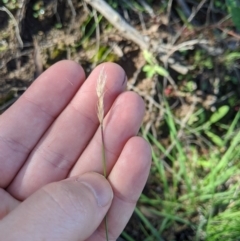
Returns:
point(100, 94)
point(104, 163)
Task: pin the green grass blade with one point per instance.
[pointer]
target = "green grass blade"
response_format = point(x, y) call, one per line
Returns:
point(148, 225)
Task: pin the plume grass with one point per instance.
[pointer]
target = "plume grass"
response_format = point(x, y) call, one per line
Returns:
point(101, 83)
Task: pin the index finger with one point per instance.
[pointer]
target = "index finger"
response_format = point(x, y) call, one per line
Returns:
point(23, 124)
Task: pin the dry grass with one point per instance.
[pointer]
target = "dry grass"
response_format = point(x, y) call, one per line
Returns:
point(101, 83)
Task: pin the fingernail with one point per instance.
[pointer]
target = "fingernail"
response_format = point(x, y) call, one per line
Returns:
point(99, 186)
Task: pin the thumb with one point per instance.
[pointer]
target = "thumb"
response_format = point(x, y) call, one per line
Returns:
point(67, 210)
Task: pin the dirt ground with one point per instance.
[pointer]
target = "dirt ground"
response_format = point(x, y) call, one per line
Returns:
point(58, 33)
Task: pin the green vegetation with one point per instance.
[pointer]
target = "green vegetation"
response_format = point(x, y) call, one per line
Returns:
point(10, 4)
point(38, 9)
point(234, 10)
point(152, 68)
point(199, 192)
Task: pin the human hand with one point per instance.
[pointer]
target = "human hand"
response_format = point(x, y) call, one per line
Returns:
point(50, 154)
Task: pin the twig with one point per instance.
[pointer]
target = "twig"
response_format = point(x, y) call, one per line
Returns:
point(132, 34)
point(223, 20)
point(191, 17)
point(72, 17)
point(72, 8)
point(186, 44)
point(194, 13)
point(119, 23)
point(169, 7)
point(209, 11)
point(37, 58)
point(147, 7)
point(55, 6)
point(139, 13)
point(184, 7)
point(21, 13)
point(17, 31)
point(136, 74)
point(143, 25)
point(230, 32)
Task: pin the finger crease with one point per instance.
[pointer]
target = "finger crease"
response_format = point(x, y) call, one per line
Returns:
point(14, 145)
point(29, 100)
point(57, 160)
point(55, 201)
point(122, 198)
point(81, 113)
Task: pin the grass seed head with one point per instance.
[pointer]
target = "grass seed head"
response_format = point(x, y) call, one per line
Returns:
point(102, 78)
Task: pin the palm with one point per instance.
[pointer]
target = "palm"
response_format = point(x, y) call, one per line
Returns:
point(52, 133)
